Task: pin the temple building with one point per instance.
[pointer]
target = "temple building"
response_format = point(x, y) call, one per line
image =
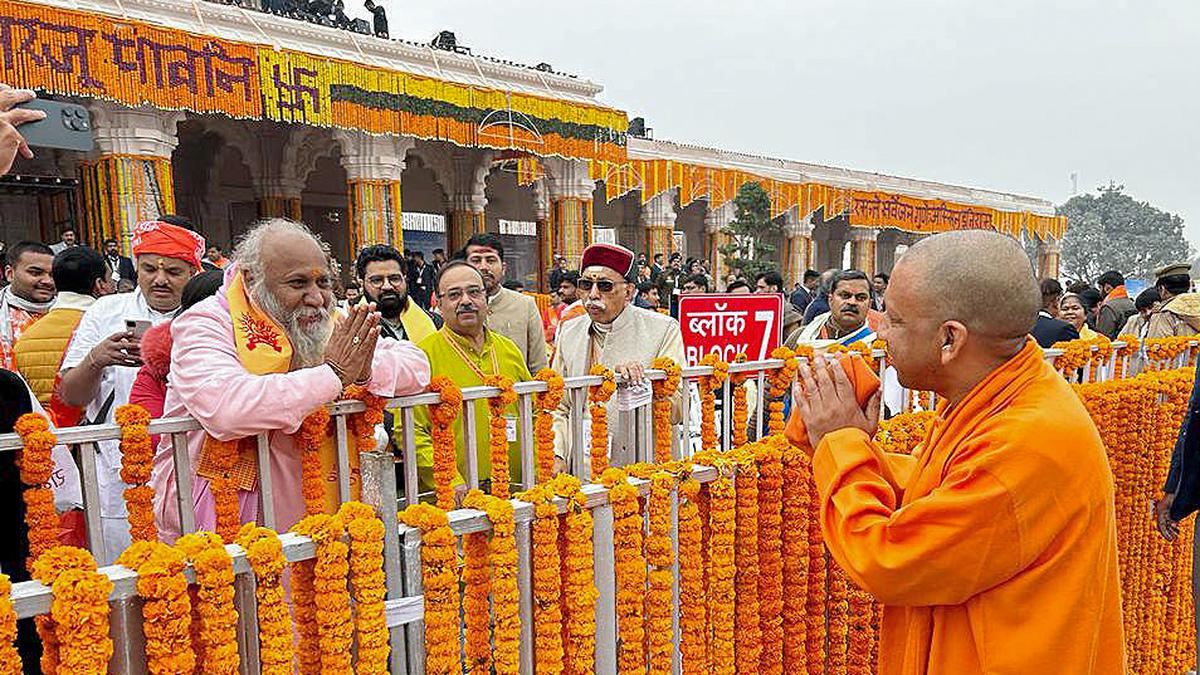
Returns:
point(224, 115)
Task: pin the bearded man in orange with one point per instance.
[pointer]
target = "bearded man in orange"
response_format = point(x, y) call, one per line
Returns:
point(993, 548)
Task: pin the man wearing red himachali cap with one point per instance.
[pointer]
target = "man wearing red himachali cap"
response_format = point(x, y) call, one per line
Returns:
point(615, 333)
point(104, 356)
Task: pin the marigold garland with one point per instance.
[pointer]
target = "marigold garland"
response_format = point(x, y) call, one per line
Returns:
point(861, 637)
point(137, 460)
point(41, 519)
point(224, 456)
point(547, 581)
point(501, 560)
point(739, 417)
point(770, 563)
point(797, 498)
point(476, 581)
point(598, 397)
point(215, 639)
point(79, 610)
point(721, 596)
point(166, 608)
point(498, 432)
point(815, 608)
point(663, 391)
point(779, 383)
point(660, 556)
point(441, 419)
point(265, 554)
point(579, 585)
point(331, 595)
point(10, 660)
point(838, 608)
point(693, 603)
point(439, 573)
point(369, 585)
point(543, 426)
point(629, 566)
point(304, 600)
point(311, 435)
point(749, 645)
point(708, 386)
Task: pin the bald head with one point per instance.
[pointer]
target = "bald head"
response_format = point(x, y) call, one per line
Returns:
point(981, 279)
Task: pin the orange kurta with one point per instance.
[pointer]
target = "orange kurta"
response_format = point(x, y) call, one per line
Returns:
point(993, 550)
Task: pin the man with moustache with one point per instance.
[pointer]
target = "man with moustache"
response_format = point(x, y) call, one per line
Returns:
point(847, 320)
point(380, 271)
point(615, 334)
point(103, 357)
point(513, 315)
point(28, 296)
point(466, 351)
point(261, 355)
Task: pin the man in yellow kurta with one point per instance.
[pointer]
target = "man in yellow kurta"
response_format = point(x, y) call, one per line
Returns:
point(466, 351)
point(993, 548)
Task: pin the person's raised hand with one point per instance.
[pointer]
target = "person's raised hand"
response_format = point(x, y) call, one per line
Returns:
point(118, 349)
point(344, 351)
point(12, 142)
point(365, 339)
point(825, 398)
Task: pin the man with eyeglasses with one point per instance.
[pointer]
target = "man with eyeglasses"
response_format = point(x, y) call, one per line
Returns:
point(513, 315)
point(381, 273)
point(467, 352)
point(616, 334)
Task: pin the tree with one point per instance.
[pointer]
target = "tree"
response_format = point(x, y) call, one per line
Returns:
point(752, 222)
point(1112, 231)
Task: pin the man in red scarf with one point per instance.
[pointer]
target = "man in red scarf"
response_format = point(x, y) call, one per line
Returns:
point(1117, 306)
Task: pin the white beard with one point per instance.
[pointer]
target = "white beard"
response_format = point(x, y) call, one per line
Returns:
point(308, 344)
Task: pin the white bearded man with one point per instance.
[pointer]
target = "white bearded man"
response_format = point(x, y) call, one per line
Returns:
point(103, 357)
point(259, 357)
point(615, 333)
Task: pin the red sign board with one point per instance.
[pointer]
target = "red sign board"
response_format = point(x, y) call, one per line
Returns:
point(729, 325)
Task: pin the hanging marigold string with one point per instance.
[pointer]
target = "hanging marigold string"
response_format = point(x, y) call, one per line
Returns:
point(442, 416)
point(335, 625)
point(629, 566)
point(166, 607)
point(501, 559)
point(10, 660)
point(598, 397)
point(304, 600)
point(660, 556)
point(814, 614)
point(369, 584)
point(861, 638)
point(545, 404)
point(137, 460)
point(579, 586)
point(663, 391)
point(721, 603)
point(770, 563)
point(498, 432)
point(439, 573)
point(779, 382)
point(215, 639)
point(749, 645)
point(363, 426)
point(740, 414)
point(838, 608)
point(79, 609)
point(796, 508)
point(476, 581)
point(708, 386)
point(547, 581)
point(693, 602)
point(41, 518)
point(310, 437)
point(224, 456)
point(265, 554)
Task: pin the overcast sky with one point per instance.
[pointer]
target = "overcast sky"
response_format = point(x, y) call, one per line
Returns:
point(1012, 95)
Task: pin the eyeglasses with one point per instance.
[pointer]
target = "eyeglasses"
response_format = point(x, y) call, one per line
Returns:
point(456, 294)
point(604, 285)
point(394, 279)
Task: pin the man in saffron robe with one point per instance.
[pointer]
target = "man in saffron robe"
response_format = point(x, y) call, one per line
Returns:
point(993, 547)
point(259, 357)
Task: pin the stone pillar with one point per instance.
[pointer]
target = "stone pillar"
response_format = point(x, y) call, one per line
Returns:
point(715, 222)
point(373, 167)
point(129, 179)
point(571, 188)
point(468, 201)
point(862, 248)
point(279, 198)
point(797, 247)
point(658, 217)
point(541, 215)
point(1049, 255)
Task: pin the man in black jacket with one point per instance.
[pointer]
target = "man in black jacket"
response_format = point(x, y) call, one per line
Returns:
point(120, 266)
point(1049, 330)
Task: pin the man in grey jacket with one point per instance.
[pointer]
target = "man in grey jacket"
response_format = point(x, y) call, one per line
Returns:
point(1117, 306)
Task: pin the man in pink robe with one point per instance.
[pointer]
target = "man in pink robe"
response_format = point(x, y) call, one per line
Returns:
point(209, 381)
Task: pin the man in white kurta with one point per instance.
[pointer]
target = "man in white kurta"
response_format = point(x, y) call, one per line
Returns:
point(614, 333)
point(103, 358)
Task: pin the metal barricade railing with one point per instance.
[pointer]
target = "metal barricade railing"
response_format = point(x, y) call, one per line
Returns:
point(381, 488)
